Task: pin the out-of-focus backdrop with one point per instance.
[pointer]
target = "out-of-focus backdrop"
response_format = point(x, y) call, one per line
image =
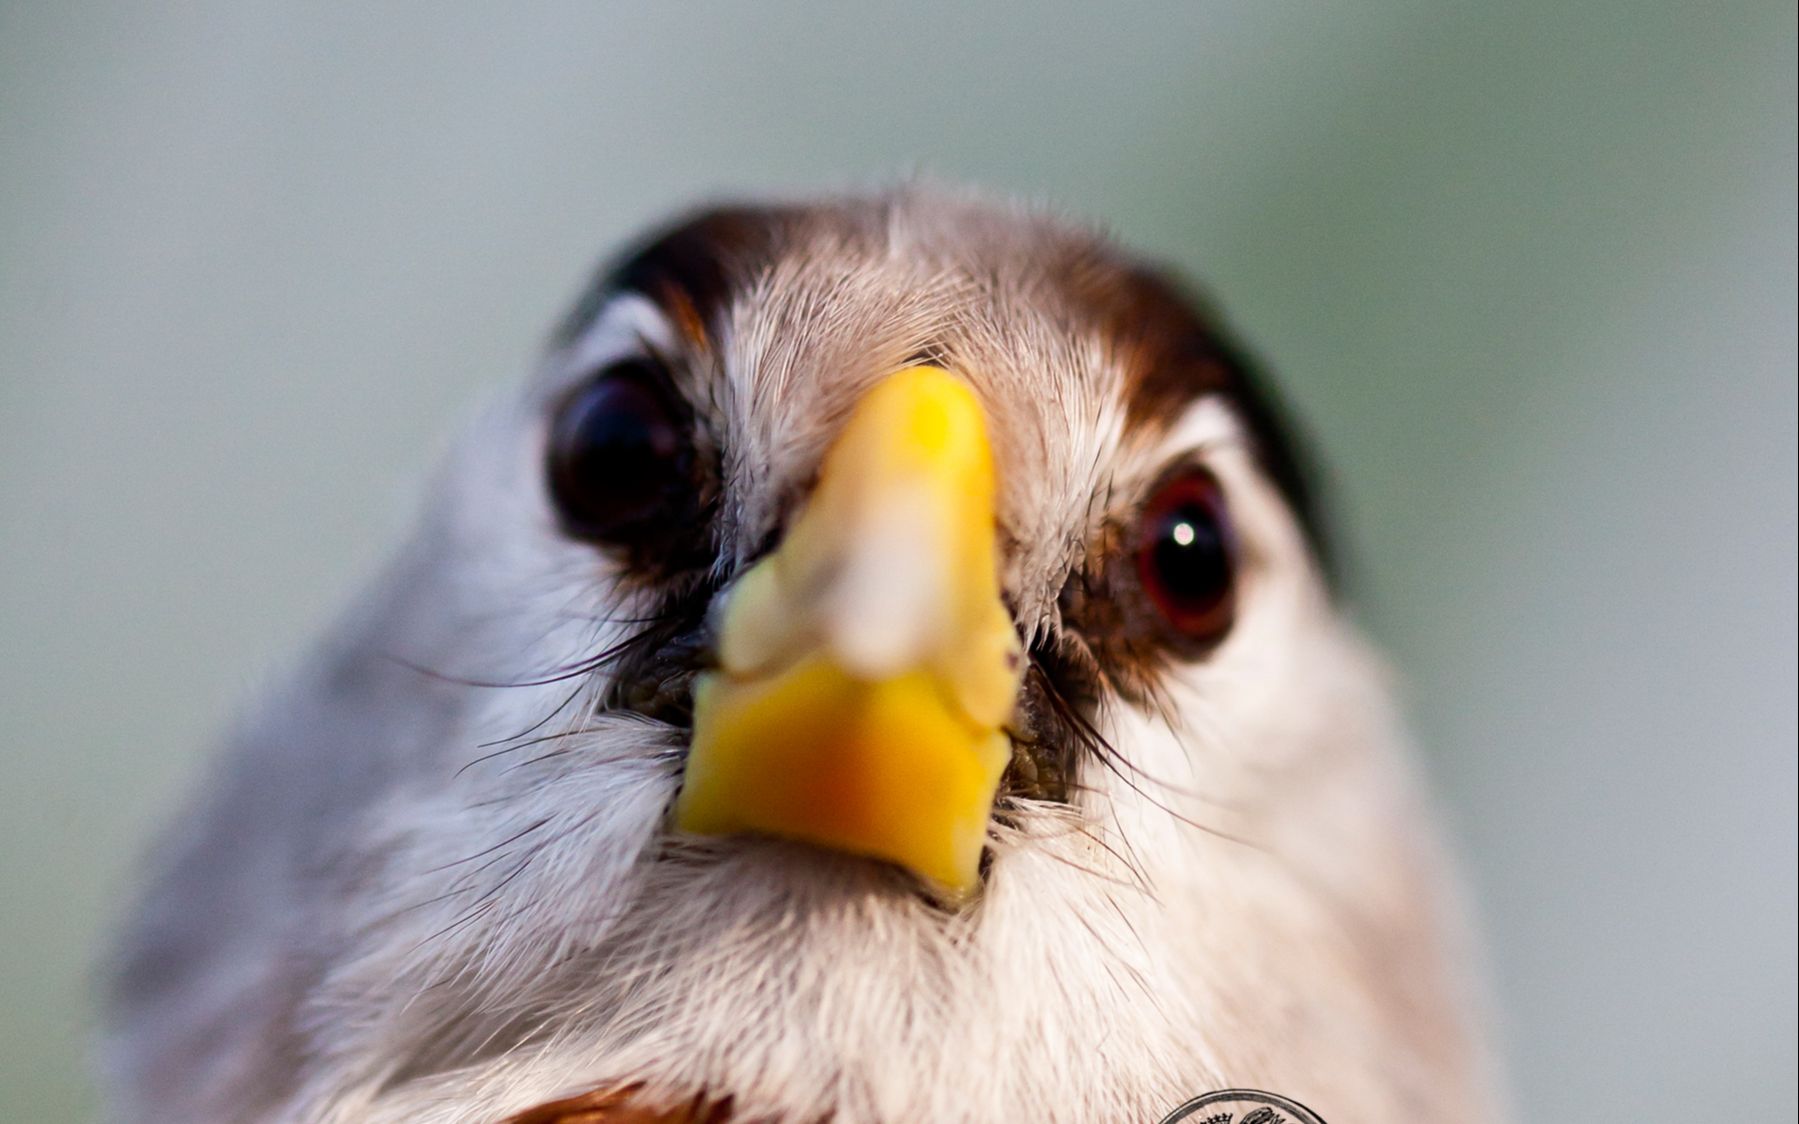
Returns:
point(1528, 269)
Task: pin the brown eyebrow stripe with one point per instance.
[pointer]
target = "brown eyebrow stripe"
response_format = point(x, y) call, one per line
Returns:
point(1177, 351)
point(691, 267)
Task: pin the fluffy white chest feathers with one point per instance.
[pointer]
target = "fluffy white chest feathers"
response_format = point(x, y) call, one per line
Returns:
point(879, 669)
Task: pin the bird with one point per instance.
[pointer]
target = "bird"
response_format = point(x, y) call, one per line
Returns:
point(886, 663)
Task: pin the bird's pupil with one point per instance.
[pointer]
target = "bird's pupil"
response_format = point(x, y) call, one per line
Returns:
point(619, 456)
point(1190, 559)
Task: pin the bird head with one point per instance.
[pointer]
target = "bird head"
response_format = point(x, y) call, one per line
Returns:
point(880, 667)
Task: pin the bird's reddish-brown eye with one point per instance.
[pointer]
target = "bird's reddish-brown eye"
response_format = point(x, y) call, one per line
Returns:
point(1185, 556)
point(621, 456)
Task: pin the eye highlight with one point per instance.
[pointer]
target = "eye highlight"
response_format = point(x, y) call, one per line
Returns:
point(621, 459)
point(1185, 556)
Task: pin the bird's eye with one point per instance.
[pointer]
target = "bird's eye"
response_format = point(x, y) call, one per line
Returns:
point(621, 462)
point(1186, 557)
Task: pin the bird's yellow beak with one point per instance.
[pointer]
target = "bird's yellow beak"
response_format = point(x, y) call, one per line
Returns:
point(867, 667)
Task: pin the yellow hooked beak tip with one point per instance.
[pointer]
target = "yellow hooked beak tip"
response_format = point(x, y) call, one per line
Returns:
point(867, 667)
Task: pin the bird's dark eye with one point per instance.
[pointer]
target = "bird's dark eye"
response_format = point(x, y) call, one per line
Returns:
point(1186, 556)
point(621, 461)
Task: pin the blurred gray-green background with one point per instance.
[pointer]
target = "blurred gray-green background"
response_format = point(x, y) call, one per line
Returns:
point(1527, 269)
